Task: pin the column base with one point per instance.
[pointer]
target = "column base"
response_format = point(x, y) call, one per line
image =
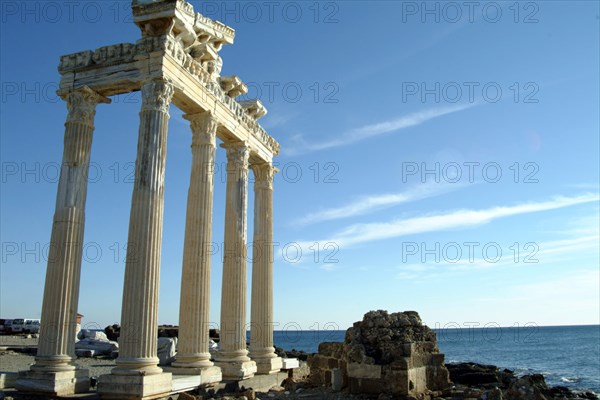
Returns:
point(265, 366)
point(62, 383)
point(134, 386)
point(207, 374)
point(237, 370)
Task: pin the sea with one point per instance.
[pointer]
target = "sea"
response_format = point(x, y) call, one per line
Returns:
point(566, 355)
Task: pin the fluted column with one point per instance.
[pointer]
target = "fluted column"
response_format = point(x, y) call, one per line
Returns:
point(194, 316)
point(233, 356)
point(261, 311)
point(139, 314)
point(56, 349)
point(54, 371)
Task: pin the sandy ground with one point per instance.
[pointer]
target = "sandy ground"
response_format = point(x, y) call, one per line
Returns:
point(12, 361)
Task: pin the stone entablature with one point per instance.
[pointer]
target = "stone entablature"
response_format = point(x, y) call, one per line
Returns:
point(121, 68)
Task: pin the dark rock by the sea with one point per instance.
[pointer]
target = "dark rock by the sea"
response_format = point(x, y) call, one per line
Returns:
point(300, 355)
point(497, 384)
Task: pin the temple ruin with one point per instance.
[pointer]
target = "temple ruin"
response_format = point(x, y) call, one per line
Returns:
point(175, 61)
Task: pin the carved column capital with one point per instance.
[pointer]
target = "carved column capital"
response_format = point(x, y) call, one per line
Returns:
point(157, 94)
point(204, 128)
point(81, 104)
point(264, 173)
point(238, 154)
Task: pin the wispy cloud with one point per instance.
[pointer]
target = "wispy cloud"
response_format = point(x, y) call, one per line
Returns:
point(275, 120)
point(368, 204)
point(368, 232)
point(300, 145)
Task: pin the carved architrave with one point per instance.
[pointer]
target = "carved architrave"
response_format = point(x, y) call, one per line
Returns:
point(157, 94)
point(81, 105)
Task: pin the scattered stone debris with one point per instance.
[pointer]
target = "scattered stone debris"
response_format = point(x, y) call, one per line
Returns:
point(93, 343)
point(166, 350)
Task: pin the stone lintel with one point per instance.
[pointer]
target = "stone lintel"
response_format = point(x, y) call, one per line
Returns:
point(62, 383)
point(235, 123)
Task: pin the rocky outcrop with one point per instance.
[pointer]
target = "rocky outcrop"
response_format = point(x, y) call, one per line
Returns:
point(479, 381)
point(299, 354)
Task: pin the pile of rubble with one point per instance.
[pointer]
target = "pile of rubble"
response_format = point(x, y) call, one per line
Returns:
point(393, 354)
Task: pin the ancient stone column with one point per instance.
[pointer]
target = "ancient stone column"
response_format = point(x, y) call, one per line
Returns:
point(233, 356)
point(193, 356)
point(139, 313)
point(137, 373)
point(54, 371)
point(261, 311)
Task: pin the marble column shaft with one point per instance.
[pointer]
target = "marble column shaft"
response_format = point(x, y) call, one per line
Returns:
point(233, 295)
point(139, 314)
point(261, 316)
point(56, 348)
point(194, 314)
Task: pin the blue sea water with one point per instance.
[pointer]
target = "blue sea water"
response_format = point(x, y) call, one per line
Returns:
point(566, 355)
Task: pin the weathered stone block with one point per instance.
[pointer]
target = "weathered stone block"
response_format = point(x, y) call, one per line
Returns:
point(8, 379)
point(437, 359)
point(54, 383)
point(134, 386)
point(356, 370)
point(290, 363)
point(402, 363)
point(337, 380)
point(331, 349)
point(367, 386)
point(238, 369)
point(319, 361)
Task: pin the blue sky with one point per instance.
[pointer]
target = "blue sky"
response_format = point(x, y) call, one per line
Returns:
point(434, 158)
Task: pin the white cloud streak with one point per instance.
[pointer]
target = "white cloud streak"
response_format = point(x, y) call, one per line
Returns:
point(368, 204)
point(300, 145)
point(369, 232)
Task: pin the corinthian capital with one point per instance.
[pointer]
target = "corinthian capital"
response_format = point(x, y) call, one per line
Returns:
point(157, 94)
point(238, 154)
point(204, 128)
point(264, 173)
point(81, 104)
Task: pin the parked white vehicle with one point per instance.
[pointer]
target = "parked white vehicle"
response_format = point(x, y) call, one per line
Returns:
point(25, 325)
